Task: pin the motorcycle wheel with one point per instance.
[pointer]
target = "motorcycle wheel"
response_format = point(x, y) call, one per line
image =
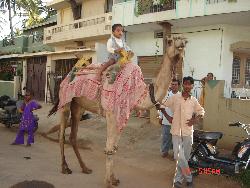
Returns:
point(8, 125)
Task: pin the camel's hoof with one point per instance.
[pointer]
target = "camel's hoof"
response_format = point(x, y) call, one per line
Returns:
point(86, 170)
point(108, 185)
point(115, 182)
point(66, 171)
point(44, 134)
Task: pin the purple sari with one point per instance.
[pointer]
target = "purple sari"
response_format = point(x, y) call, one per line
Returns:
point(27, 123)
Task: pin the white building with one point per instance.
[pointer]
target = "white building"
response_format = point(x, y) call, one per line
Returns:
point(218, 33)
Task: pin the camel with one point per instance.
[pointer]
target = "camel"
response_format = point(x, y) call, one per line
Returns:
point(174, 54)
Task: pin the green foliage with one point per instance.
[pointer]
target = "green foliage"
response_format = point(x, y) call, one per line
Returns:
point(144, 6)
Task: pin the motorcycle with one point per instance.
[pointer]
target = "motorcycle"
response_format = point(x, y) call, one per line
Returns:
point(205, 156)
point(10, 115)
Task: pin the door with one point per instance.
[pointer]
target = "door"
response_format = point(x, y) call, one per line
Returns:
point(36, 76)
point(150, 66)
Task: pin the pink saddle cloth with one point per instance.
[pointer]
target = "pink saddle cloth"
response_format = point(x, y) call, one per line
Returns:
point(121, 97)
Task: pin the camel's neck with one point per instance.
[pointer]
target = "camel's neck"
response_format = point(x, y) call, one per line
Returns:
point(163, 79)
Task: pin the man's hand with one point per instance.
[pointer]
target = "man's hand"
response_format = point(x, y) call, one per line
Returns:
point(193, 120)
point(169, 118)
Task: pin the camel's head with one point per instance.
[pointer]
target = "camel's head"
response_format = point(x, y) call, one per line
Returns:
point(175, 48)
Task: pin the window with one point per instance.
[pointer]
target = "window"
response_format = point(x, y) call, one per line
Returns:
point(247, 72)
point(236, 71)
point(241, 70)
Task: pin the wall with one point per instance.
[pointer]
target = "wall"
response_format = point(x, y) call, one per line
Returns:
point(92, 8)
point(64, 16)
point(203, 51)
point(144, 43)
point(231, 35)
point(184, 9)
point(222, 111)
point(20, 45)
point(8, 88)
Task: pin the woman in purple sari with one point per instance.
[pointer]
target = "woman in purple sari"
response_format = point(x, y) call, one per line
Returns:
point(27, 123)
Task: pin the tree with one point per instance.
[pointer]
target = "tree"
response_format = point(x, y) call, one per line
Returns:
point(33, 10)
point(30, 10)
point(10, 6)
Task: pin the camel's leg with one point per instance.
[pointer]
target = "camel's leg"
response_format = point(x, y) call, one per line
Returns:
point(113, 136)
point(64, 119)
point(75, 117)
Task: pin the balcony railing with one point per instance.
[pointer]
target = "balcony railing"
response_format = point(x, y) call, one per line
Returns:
point(151, 6)
point(104, 19)
point(214, 1)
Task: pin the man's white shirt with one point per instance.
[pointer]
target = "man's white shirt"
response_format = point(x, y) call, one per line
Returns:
point(168, 110)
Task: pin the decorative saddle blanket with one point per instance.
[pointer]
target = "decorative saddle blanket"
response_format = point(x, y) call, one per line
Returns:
point(127, 91)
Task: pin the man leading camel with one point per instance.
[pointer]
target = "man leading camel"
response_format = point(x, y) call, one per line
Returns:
point(186, 112)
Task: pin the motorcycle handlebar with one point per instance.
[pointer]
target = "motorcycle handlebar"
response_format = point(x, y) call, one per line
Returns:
point(237, 124)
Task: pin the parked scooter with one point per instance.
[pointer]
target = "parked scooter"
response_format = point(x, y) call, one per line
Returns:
point(205, 155)
point(9, 115)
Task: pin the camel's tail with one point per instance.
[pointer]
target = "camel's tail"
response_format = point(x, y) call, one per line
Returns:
point(54, 108)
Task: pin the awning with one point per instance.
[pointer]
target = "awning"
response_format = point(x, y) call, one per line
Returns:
point(241, 46)
point(45, 53)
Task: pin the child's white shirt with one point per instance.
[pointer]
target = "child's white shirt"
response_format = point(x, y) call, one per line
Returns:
point(119, 42)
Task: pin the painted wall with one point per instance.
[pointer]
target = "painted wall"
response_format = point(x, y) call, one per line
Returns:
point(207, 50)
point(64, 16)
point(8, 88)
point(92, 8)
point(203, 51)
point(144, 43)
point(231, 35)
point(184, 9)
point(89, 8)
point(222, 111)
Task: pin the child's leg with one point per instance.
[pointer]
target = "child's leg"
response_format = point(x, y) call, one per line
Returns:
point(19, 137)
point(30, 136)
point(104, 67)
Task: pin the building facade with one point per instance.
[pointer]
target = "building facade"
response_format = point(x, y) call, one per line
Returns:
point(83, 28)
point(217, 32)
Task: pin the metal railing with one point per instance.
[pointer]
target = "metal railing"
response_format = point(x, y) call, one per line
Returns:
point(149, 6)
point(214, 1)
point(81, 23)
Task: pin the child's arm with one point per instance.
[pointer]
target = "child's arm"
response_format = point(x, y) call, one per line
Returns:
point(36, 106)
point(111, 49)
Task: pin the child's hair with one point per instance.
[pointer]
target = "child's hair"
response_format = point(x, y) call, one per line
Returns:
point(115, 26)
point(29, 92)
point(188, 78)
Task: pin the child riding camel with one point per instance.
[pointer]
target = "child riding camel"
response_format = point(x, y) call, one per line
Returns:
point(115, 46)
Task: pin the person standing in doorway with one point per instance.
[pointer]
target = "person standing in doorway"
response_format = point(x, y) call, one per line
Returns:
point(167, 144)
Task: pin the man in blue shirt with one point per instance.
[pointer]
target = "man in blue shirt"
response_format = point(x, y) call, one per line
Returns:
point(166, 125)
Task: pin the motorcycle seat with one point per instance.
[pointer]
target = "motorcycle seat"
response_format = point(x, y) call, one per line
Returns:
point(210, 135)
